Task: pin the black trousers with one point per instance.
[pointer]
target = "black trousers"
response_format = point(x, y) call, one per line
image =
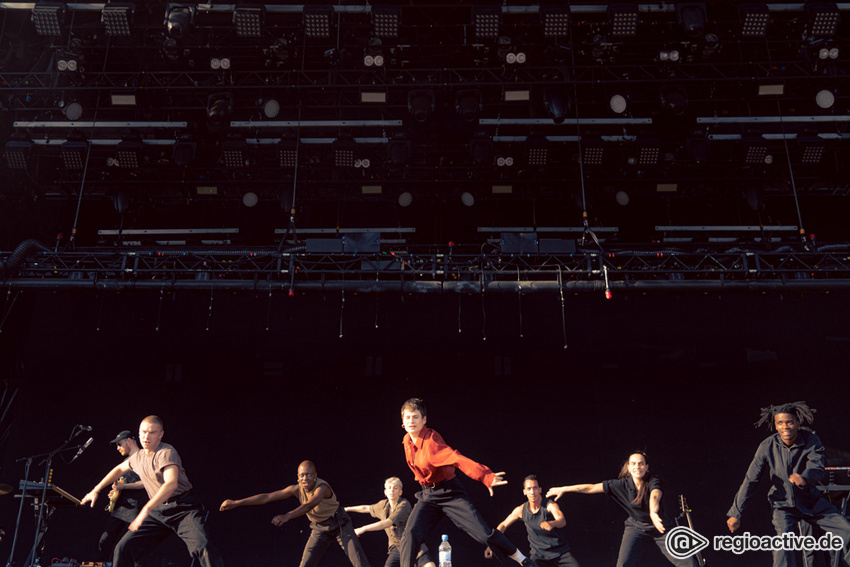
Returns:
point(112, 532)
point(337, 528)
point(448, 499)
point(565, 560)
point(636, 537)
point(394, 557)
point(824, 515)
point(184, 516)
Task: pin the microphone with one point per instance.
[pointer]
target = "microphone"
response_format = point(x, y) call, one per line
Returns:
point(82, 448)
point(84, 427)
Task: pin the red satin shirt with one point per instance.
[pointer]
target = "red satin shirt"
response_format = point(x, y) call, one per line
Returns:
point(432, 461)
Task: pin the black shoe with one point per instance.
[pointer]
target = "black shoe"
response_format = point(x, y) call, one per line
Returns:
point(528, 562)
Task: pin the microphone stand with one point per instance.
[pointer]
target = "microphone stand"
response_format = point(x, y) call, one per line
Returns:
point(41, 525)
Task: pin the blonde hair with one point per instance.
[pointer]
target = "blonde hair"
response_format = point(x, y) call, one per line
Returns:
point(393, 481)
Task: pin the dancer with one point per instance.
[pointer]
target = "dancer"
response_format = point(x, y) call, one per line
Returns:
point(639, 493)
point(172, 507)
point(328, 520)
point(792, 458)
point(392, 513)
point(433, 464)
point(543, 519)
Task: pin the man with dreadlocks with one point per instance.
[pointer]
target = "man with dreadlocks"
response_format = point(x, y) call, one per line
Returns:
point(794, 460)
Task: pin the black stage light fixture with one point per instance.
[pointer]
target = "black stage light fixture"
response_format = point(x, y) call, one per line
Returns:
point(184, 152)
point(420, 103)
point(623, 19)
point(674, 99)
point(116, 18)
point(481, 150)
point(486, 20)
point(756, 152)
point(692, 18)
point(557, 102)
point(398, 151)
point(129, 154)
point(47, 17)
point(317, 21)
point(556, 20)
point(73, 155)
point(287, 152)
point(218, 109)
point(386, 20)
point(248, 19)
point(823, 18)
point(178, 19)
point(17, 153)
point(754, 19)
point(593, 154)
point(344, 152)
point(538, 150)
point(234, 154)
point(468, 104)
point(812, 150)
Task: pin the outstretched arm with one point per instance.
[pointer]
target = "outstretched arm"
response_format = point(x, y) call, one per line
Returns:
point(362, 509)
point(515, 515)
point(320, 494)
point(559, 491)
point(111, 477)
point(655, 508)
point(169, 475)
point(259, 499)
point(374, 527)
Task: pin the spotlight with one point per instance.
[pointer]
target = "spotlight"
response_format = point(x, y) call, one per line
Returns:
point(73, 155)
point(692, 18)
point(116, 18)
point(593, 155)
point(184, 152)
point(825, 99)
point(398, 152)
point(467, 198)
point(538, 150)
point(405, 199)
point(220, 64)
point(178, 19)
point(374, 53)
point(362, 163)
point(17, 153)
point(486, 20)
point(385, 20)
point(47, 17)
point(271, 108)
point(287, 153)
point(317, 21)
point(823, 18)
point(674, 99)
point(556, 20)
point(128, 154)
point(504, 161)
point(622, 198)
point(557, 102)
point(618, 104)
point(754, 19)
point(218, 109)
point(233, 154)
point(249, 199)
point(468, 105)
point(623, 19)
point(249, 20)
point(73, 111)
point(420, 103)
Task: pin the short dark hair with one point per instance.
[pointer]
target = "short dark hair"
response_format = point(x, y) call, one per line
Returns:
point(414, 404)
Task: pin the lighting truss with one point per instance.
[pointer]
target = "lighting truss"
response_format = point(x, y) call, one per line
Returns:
point(16, 154)
point(823, 18)
point(249, 20)
point(317, 21)
point(116, 19)
point(754, 19)
point(47, 17)
point(386, 20)
point(556, 20)
point(73, 155)
point(623, 19)
point(486, 20)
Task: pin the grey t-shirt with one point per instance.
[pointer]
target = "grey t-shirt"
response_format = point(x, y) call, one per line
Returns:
point(150, 469)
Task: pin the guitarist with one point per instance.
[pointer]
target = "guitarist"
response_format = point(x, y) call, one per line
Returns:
point(125, 500)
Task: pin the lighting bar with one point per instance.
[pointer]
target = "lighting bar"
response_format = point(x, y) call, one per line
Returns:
point(47, 17)
point(757, 154)
point(159, 231)
point(486, 20)
point(754, 19)
point(592, 155)
point(249, 20)
point(556, 20)
point(317, 21)
point(116, 18)
point(288, 153)
point(344, 152)
point(571, 121)
point(570, 229)
point(768, 119)
point(648, 154)
point(233, 154)
point(824, 18)
point(726, 228)
point(314, 123)
point(385, 20)
point(623, 19)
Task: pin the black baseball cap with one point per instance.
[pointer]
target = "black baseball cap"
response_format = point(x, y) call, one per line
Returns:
point(121, 436)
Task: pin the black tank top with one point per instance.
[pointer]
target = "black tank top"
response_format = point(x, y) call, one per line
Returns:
point(544, 544)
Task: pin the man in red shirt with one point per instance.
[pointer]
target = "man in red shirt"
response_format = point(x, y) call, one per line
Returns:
point(433, 464)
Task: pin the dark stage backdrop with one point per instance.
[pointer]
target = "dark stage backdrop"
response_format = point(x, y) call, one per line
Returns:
point(253, 386)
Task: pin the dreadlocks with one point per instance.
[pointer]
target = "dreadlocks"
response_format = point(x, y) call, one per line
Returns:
point(804, 413)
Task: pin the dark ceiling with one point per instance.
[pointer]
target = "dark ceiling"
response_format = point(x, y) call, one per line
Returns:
point(714, 120)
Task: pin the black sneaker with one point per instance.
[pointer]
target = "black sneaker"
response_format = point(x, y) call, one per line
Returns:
point(528, 562)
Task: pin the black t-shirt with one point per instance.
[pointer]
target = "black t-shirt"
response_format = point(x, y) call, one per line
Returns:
point(623, 491)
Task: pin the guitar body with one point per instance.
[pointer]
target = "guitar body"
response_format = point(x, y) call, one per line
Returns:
point(113, 500)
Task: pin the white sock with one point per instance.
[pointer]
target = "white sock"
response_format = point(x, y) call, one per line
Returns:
point(518, 557)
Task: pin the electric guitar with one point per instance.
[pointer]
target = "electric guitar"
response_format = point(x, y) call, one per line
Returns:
point(113, 500)
point(686, 512)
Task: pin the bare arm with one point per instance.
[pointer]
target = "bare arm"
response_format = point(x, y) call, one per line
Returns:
point(558, 522)
point(169, 475)
point(111, 477)
point(655, 508)
point(320, 494)
point(361, 509)
point(515, 515)
point(138, 485)
point(374, 527)
point(259, 499)
point(559, 491)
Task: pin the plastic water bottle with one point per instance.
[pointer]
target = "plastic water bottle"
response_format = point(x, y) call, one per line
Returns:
point(445, 552)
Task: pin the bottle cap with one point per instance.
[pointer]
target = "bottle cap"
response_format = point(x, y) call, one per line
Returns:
point(445, 537)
